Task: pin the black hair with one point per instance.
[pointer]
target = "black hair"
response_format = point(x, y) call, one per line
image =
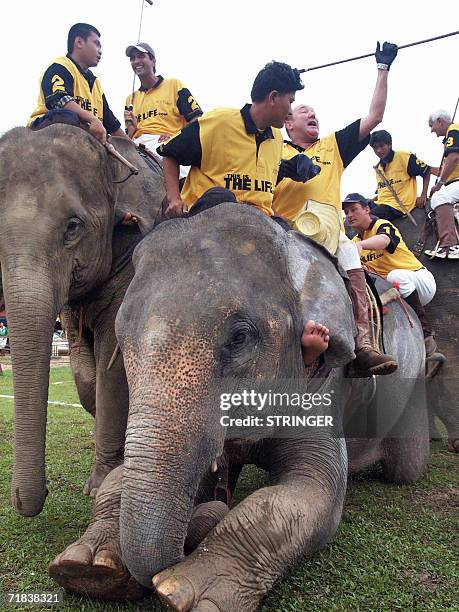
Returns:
point(275, 76)
point(381, 136)
point(79, 29)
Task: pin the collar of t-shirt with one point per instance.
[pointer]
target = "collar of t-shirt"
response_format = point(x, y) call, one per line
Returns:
point(372, 222)
point(251, 128)
point(386, 160)
point(157, 84)
point(88, 75)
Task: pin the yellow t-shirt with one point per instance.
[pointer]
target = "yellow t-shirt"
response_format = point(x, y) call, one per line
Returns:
point(333, 154)
point(163, 109)
point(225, 149)
point(401, 171)
point(396, 256)
point(64, 77)
point(451, 143)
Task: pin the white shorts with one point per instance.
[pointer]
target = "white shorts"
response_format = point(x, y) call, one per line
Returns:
point(151, 143)
point(347, 253)
point(448, 194)
point(410, 280)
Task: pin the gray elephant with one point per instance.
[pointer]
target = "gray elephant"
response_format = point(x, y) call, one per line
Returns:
point(443, 313)
point(216, 300)
point(58, 190)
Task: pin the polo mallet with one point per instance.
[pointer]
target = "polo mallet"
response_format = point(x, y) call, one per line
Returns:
point(131, 105)
point(353, 59)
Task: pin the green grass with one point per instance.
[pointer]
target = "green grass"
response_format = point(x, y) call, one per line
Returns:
point(396, 548)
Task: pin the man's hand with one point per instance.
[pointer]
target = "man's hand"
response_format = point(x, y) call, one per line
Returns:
point(435, 188)
point(386, 55)
point(130, 121)
point(164, 137)
point(421, 201)
point(97, 129)
point(175, 208)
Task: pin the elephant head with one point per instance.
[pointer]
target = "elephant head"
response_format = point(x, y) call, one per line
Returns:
point(57, 203)
point(218, 297)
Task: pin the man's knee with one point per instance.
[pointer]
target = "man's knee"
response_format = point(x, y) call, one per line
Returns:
point(212, 197)
point(405, 284)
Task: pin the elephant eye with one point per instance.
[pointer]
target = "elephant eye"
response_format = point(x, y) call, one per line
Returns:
point(73, 230)
point(243, 334)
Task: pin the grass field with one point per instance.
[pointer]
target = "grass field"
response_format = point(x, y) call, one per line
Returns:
point(396, 548)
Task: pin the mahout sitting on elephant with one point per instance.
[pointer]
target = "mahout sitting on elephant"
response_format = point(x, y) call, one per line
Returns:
point(60, 198)
point(218, 299)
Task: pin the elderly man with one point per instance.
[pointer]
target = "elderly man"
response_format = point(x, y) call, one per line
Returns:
point(396, 175)
point(383, 251)
point(446, 191)
point(333, 154)
point(69, 91)
point(161, 107)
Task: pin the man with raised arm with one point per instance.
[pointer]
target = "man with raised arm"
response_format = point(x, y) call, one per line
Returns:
point(333, 153)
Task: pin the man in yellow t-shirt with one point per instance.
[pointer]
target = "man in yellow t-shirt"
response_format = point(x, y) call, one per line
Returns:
point(383, 251)
point(161, 107)
point(445, 194)
point(396, 174)
point(69, 91)
point(333, 154)
point(235, 156)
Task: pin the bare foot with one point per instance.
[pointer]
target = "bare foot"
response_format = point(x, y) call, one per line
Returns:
point(314, 341)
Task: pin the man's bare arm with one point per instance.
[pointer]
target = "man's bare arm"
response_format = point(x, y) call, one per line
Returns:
point(175, 206)
point(377, 106)
point(96, 127)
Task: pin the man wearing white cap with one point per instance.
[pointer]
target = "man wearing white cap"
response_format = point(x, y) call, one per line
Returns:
point(161, 107)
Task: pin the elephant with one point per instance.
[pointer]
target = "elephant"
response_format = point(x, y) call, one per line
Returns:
point(219, 299)
point(60, 244)
point(444, 314)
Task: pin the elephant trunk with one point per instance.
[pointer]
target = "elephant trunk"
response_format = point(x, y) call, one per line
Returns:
point(169, 447)
point(31, 307)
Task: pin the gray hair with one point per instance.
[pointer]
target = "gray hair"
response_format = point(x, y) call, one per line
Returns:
point(439, 114)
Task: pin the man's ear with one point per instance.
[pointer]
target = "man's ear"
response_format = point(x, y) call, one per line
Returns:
point(272, 97)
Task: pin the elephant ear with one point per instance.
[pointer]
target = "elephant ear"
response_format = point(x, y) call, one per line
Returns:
point(322, 296)
point(141, 195)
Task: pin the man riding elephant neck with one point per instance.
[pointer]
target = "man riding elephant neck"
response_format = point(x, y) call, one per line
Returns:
point(445, 194)
point(69, 91)
point(384, 252)
point(334, 153)
point(235, 156)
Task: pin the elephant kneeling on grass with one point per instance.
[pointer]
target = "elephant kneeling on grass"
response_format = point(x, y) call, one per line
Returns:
point(217, 300)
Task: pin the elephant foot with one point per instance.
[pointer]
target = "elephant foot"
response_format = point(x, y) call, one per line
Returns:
point(205, 517)
point(453, 445)
point(95, 571)
point(201, 587)
point(99, 472)
point(93, 566)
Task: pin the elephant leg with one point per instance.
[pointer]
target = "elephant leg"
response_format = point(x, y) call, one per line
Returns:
point(112, 401)
point(92, 565)
point(260, 538)
point(441, 397)
point(83, 365)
